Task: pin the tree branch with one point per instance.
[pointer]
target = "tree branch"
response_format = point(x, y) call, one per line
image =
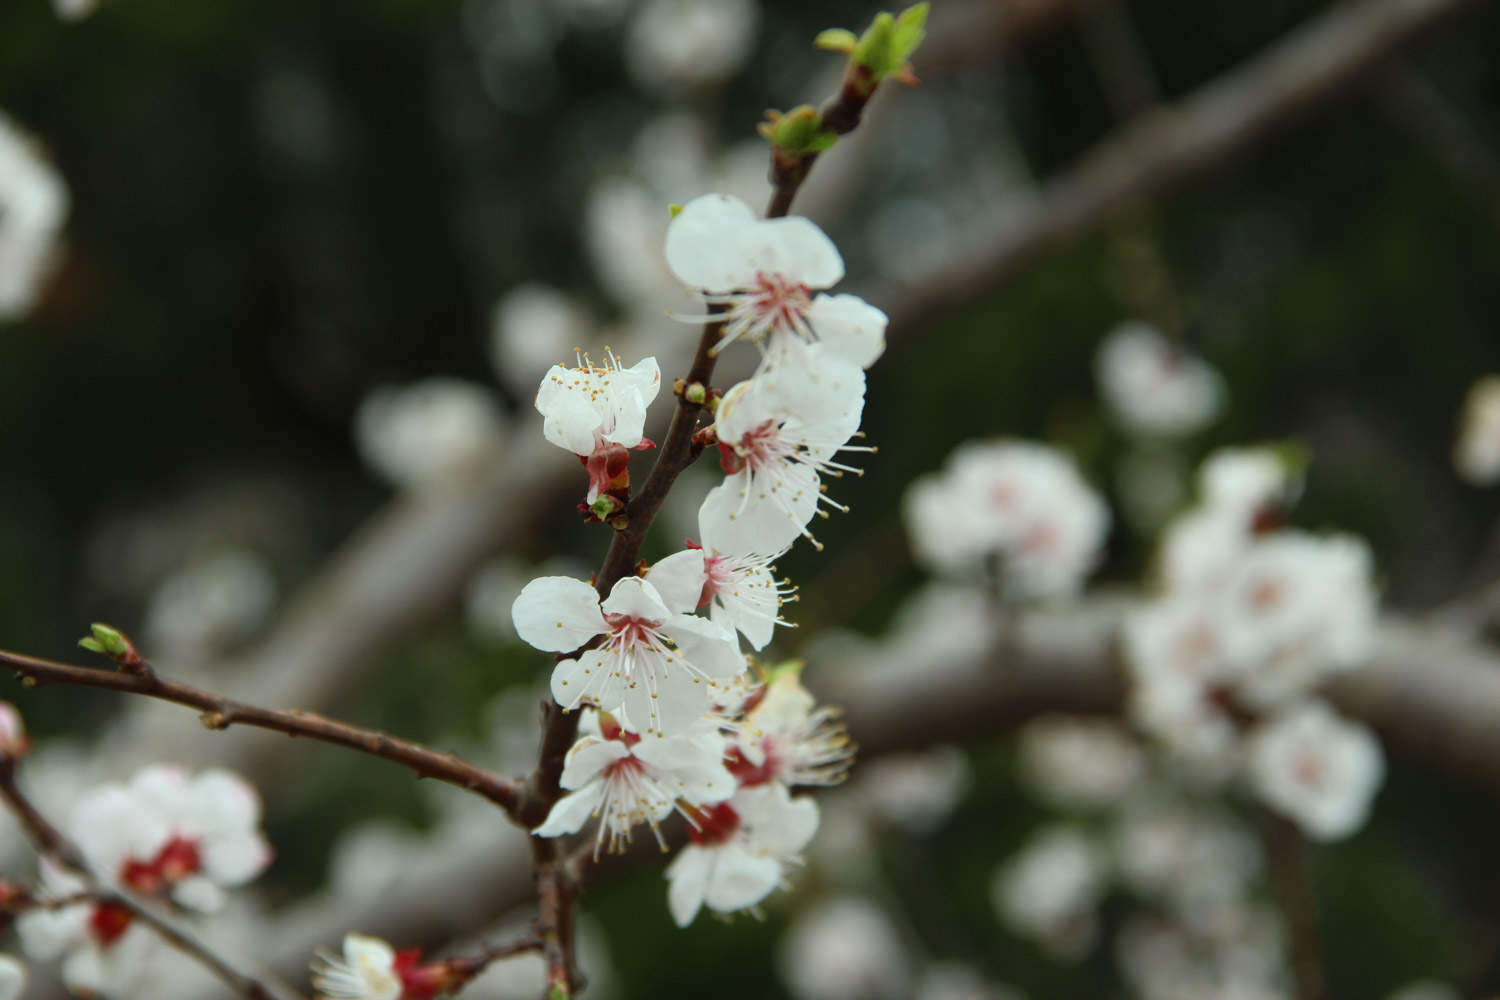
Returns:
point(220, 713)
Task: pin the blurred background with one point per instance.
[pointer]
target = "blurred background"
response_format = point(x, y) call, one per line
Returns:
point(316, 257)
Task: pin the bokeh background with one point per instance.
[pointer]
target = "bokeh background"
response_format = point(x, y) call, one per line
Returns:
point(279, 207)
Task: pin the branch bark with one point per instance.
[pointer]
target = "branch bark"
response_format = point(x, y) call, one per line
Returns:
point(219, 712)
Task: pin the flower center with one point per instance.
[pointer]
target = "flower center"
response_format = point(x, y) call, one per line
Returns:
point(714, 824)
point(178, 859)
point(628, 630)
point(780, 304)
point(108, 923)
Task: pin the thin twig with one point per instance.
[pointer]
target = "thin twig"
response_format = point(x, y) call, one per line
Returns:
point(1287, 853)
point(220, 713)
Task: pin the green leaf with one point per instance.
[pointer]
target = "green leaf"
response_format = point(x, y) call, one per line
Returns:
point(911, 28)
point(801, 130)
point(110, 638)
point(92, 645)
point(889, 42)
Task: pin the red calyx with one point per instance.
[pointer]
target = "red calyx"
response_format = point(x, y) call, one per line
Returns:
point(178, 859)
point(730, 460)
point(108, 923)
point(747, 773)
point(715, 824)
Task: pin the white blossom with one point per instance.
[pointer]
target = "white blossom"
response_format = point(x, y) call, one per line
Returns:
point(1050, 890)
point(1153, 387)
point(210, 604)
point(1426, 989)
point(916, 791)
point(1317, 769)
point(365, 971)
point(532, 325)
point(844, 948)
point(13, 739)
point(1017, 505)
point(778, 434)
point(953, 980)
point(740, 851)
point(33, 205)
point(1247, 481)
point(675, 45)
point(1080, 763)
point(786, 737)
point(625, 779)
point(656, 658)
point(599, 414)
point(103, 950)
point(763, 273)
point(428, 431)
point(1476, 455)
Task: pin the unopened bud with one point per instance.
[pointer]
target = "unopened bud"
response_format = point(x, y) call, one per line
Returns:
point(695, 393)
point(604, 506)
point(13, 739)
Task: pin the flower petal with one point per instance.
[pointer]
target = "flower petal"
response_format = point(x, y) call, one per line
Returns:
point(794, 248)
point(703, 246)
point(848, 327)
point(708, 646)
point(741, 879)
point(570, 812)
point(679, 579)
point(635, 598)
point(687, 882)
point(557, 614)
point(764, 520)
point(588, 758)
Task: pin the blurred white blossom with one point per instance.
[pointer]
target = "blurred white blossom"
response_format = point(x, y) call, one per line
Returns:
point(425, 432)
point(1476, 456)
point(1076, 763)
point(916, 791)
point(844, 948)
point(33, 205)
point(210, 605)
point(1049, 892)
point(1153, 387)
point(1316, 769)
point(532, 326)
point(676, 45)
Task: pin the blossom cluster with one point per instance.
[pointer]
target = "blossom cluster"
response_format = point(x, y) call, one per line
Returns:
point(1016, 509)
point(1251, 620)
point(33, 205)
point(164, 835)
point(677, 716)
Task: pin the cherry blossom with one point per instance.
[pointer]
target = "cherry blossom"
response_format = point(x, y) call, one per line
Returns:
point(1154, 388)
point(1476, 455)
point(427, 432)
point(599, 413)
point(104, 950)
point(739, 589)
point(33, 205)
point(656, 657)
point(844, 948)
point(626, 779)
point(739, 851)
point(1049, 891)
point(778, 434)
point(370, 969)
point(786, 737)
point(161, 834)
point(1014, 506)
point(762, 273)
point(1316, 768)
point(1079, 763)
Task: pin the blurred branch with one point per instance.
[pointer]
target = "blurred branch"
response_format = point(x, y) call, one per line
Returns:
point(220, 713)
point(963, 35)
point(1416, 104)
point(1167, 145)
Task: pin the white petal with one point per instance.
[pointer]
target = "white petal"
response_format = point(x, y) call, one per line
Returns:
point(198, 893)
point(82, 973)
point(687, 882)
point(588, 758)
point(741, 879)
point(709, 647)
point(679, 579)
point(221, 801)
point(557, 614)
point(750, 605)
point(569, 420)
point(594, 678)
point(702, 247)
point(794, 248)
point(755, 522)
point(848, 327)
point(774, 821)
point(45, 934)
point(571, 811)
point(635, 598)
point(234, 860)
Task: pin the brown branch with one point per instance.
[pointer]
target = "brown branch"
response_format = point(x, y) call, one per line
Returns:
point(220, 713)
point(1286, 852)
point(47, 839)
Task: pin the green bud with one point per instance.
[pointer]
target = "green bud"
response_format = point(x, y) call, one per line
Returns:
point(93, 646)
point(695, 393)
point(836, 40)
point(604, 506)
point(889, 42)
point(110, 638)
point(801, 130)
point(674, 209)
